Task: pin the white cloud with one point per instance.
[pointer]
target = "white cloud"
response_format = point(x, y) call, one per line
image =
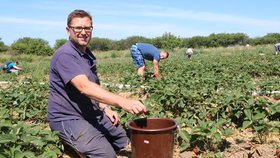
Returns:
point(156, 20)
point(148, 11)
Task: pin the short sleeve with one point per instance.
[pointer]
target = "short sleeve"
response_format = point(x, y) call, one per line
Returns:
point(157, 56)
point(68, 67)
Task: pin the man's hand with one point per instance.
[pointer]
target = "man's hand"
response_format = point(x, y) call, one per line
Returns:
point(132, 106)
point(112, 115)
point(157, 76)
point(156, 71)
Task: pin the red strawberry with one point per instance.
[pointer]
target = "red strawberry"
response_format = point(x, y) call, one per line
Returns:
point(195, 150)
point(278, 153)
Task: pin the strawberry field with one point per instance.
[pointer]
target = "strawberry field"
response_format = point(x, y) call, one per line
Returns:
point(215, 95)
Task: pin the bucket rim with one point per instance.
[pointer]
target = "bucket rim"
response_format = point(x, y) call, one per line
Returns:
point(173, 127)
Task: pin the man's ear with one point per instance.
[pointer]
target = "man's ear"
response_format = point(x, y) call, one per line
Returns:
point(68, 31)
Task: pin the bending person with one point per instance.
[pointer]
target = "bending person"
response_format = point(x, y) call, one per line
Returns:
point(141, 51)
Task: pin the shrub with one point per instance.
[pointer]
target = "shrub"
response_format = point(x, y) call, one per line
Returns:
point(3, 47)
point(33, 46)
point(59, 43)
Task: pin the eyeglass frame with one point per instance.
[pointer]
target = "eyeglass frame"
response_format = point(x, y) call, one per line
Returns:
point(82, 28)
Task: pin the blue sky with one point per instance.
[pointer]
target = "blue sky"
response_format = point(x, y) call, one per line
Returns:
point(119, 19)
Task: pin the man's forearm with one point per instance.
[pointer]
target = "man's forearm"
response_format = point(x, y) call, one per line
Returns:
point(95, 91)
point(156, 69)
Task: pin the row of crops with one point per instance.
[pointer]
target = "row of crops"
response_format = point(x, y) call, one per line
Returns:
point(215, 93)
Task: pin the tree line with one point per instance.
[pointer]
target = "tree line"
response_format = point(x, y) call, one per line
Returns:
point(38, 46)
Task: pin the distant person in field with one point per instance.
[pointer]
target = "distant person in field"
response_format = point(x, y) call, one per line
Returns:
point(12, 67)
point(277, 48)
point(141, 51)
point(78, 107)
point(189, 53)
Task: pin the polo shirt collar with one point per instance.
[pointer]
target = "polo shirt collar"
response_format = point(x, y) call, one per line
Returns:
point(78, 50)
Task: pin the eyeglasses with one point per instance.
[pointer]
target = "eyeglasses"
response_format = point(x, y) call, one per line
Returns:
point(79, 29)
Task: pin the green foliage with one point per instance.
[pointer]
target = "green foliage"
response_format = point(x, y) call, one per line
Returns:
point(196, 42)
point(59, 43)
point(18, 139)
point(25, 101)
point(209, 96)
point(129, 41)
point(224, 39)
point(32, 46)
point(3, 47)
point(270, 38)
point(100, 44)
point(167, 41)
point(170, 41)
point(23, 110)
point(136, 39)
point(104, 44)
point(212, 95)
point(114, 55)
point(217, 40)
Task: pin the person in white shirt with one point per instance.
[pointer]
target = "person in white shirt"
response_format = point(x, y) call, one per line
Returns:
point(189, 53)
point(277, 48)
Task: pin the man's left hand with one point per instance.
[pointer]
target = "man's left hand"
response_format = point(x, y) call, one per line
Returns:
point(113, 116)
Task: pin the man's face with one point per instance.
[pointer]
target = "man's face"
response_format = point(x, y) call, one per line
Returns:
point(80, 31)
point(163, 55)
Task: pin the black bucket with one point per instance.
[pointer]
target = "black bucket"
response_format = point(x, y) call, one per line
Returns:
point(152, 137)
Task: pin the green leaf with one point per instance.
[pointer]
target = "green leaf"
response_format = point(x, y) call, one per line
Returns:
point(246, 124)
point(6, 138)
point(217, 137)
point(51, 154)
point(3, 156)
point(29, 154)
point(184, 135)
point(259, 128)
point(184, 146)
point(220, 122)
point(18, 154)
point(259, 115)
point(226, 132)
point(248, 114)
point(5, 123)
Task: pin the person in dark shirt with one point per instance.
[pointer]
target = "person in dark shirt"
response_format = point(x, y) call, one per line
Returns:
point(78, 105)
point(141, 51)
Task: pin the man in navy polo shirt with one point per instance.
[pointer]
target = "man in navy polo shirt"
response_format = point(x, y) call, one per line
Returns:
point(77, 106)
point(141, 51)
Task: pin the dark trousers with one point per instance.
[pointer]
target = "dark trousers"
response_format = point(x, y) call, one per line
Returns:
point(97, 138)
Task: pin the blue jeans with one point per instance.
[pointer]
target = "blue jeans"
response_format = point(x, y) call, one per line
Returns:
point(95, 138)
point(137, 57)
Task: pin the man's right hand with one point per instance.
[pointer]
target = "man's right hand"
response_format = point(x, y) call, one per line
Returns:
point(157, 76)
point(133, 106)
